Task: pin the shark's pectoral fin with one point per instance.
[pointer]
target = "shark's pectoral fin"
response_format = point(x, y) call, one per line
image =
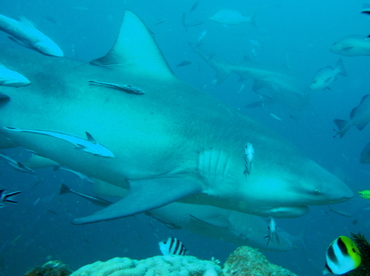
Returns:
point(145, 195)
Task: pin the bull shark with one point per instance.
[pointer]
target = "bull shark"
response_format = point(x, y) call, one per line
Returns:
point(24, 33)
point(282, 87)
point(352, 45)
point(359, 117)
point(226, 225)
point(172, 143)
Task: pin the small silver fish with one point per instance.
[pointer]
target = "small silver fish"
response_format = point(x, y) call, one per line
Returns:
point(271, 235)
point(89, 145)
point(194, 6)
point(172, 246)
point(241, 88)
point(195, 23)
point(365, 9)
point(326, 76)
point(16, 165)
point(12, 78)
point(64, 189)
point(183, 63)
point(82, 176)
point(4, 197)
point(123, 87)
point(159, 21)
point(274, 116)
point(24, 33)
point(200, 39)
point(248, 157)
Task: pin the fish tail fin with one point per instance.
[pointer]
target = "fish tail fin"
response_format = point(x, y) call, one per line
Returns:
point(64, 189)
point(340, 68)
point(340, 124)
point(7, 199)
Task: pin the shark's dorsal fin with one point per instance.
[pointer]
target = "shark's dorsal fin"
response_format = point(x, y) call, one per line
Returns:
point(135, 48)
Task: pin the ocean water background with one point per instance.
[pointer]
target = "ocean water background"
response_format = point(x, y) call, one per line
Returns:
point(293, 34)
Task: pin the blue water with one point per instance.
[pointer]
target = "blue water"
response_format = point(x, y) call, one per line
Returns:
point(293, 34)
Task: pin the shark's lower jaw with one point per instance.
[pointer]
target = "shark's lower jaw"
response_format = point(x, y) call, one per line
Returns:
point(288, 211)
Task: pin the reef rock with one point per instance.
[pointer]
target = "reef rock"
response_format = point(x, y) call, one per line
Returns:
point(155, 266)
point(51, 268)
point(246, 261)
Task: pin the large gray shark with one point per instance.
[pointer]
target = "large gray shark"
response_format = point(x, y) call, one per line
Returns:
point(172, 143)
point(283, 88)
point(226, 225)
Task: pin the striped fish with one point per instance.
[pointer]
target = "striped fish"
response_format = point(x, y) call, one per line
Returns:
point(172, 246)
point(342, 256)
point(5, 197)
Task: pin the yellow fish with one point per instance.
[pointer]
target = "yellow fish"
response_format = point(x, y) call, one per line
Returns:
point(365, 194)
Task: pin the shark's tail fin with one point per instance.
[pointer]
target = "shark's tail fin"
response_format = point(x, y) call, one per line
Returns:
point(64, 189)
point(340, 68)
point(340, 124)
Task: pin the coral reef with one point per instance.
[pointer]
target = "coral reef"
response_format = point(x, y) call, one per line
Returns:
point(364, 247)
point(155, 266)
point(246, 261)
point(51, 268)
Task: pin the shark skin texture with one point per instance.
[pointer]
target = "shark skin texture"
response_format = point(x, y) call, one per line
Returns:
point(173, 143)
